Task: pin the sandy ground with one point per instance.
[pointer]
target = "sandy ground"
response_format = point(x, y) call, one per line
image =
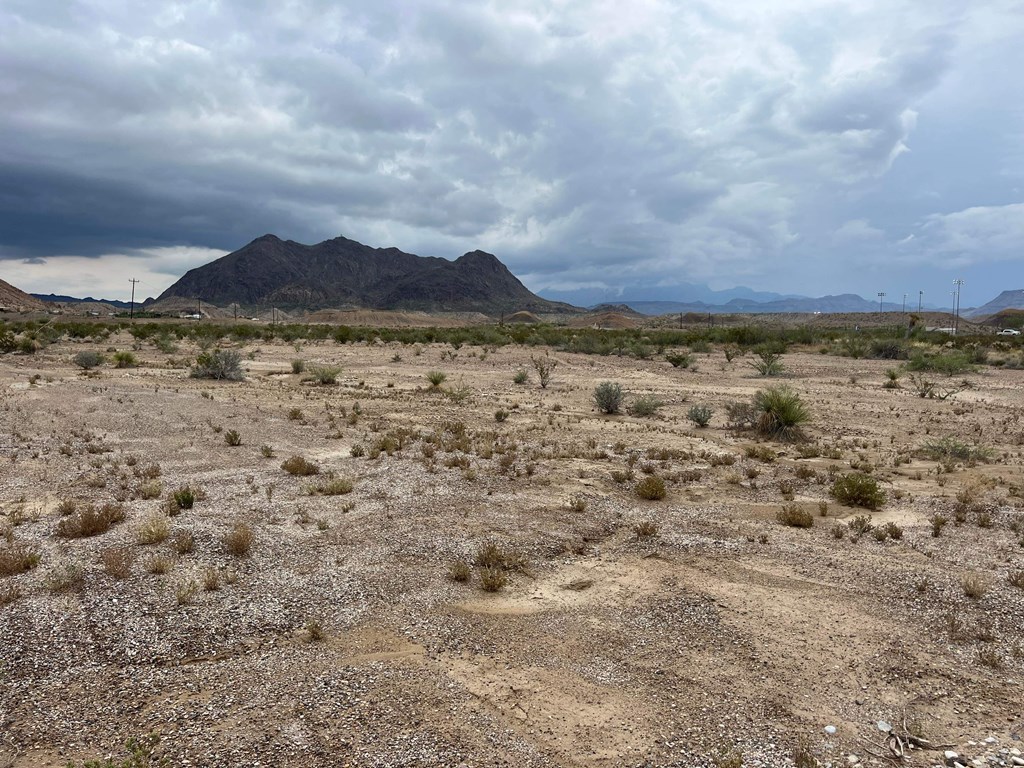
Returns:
point(725, 633)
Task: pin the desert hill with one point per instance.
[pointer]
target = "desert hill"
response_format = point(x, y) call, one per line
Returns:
point(14, 300)
point(1013, 299)
point(341, 272)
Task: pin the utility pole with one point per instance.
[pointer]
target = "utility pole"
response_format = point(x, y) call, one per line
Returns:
point(956, 312)
point(904, 303)
point(131, 312)
point(881, 295)
point(920, 300)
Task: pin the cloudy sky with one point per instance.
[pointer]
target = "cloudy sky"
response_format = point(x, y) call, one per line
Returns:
point(621, 148)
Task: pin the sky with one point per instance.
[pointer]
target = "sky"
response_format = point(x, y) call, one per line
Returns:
point(600, 149)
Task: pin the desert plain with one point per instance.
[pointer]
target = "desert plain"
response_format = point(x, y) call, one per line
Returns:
point(236, 614)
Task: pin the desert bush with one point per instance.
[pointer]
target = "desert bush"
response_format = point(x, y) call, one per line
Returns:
point(545, 367)
point(492, 579)
point(889, 349)
point(158, 565)
point(608, 396)
point(459, 571)
point(892, 531)
point(298, 366)
point(645, 529)
point(299, 465)
point(184, 497)
point(948, 363)
point(153, 530)
point(520, 377)
point(938, 522)
point(699, 415)
point(66, 577)
point(860, 525)
point(211, 579)
point(87, 360)
point(767, 362)
point(651, 488)
point(500, 415)
point(436, 378)
point(330, 486)
point(325, 375)
point(151, 489)
point(645, 405)
point(232, 437)
point(89, 521)
point(315, 632)
point(741, 415)
point(794, 517)
point(17, 558)
point(760, 453)
point(9, 592)
point(221, 364)
point(183, 542)
point(125, 360)
point(679, 360)
point(974, 585)
point(239, 539)
point(117, 561)
point(1016, 579)
point(856, 489)
point(780, 413)
point(950, 448)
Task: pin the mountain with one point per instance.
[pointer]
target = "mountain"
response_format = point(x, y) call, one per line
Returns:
point(14, 300)
point(846, 302)
point(685, 293)
point(274, 272)
point(59, 299)
point(1013, 299)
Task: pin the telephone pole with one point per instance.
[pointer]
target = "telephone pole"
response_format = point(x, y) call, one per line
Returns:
point(956, 310)
point(881, 295)
point(920, 300)
point(131, 311)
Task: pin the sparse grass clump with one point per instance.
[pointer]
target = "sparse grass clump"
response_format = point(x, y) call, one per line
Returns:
point(125, 360)
point(151, 489)
point(232, 437)
point(767, 362)
point(520, 377)
point(9, 593)
point(90, 521)
point(608, 397)
point(436, 378)
point(117, 561)
point(66, 577)
point(492, 579)
point(459, 571)
point(298, 366)
point(315, 632)
point(651, 488)
point(1016, 579)
point(17, 558)
point(299, 465)
point(183, 542)
point(221, 364)
point(780, 413)
point(645, 529)
point(950, 448)
point(239, 539)
point(974, 586)
point(153, 530)
point(857, 489)
point(795, 517)
point(159, 565)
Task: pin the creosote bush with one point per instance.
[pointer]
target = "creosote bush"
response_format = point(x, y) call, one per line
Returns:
point(608, 396)
point(651, 488)
point(857, 489)
point(646, 405)
point(299, 465)
point(545, 368)
point(223, 364)
point(325, 375)
point(125, 360)
point(699, 415)
point(87, 360)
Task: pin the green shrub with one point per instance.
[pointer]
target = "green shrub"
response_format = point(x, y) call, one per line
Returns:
point(950, 448)
point(856, 489)
point(768, 362)
point(89, 521)
point(780, 413)
point(222, 364)
point(298, 366)
point(333, 486)
point(125, 360)
point(520, 377)
point(651, 488)
point(889, 349)
point(184, 497)
point(645, 405)
point(87, 360)
point(232, 437)
point(436, 378)
point(608, 396)
point(323, 374)
point(948, 363)
point(679, 360)
point(699, 415)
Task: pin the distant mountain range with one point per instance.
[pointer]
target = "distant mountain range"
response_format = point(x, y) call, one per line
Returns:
point(681, 293)
point(846, 302)
point(56, 298)
point(341, 272)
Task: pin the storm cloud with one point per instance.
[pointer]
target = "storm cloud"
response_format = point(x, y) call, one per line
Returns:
point(812, 146)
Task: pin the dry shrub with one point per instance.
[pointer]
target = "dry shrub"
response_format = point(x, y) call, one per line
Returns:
point(1016, 579)
point(239, 540)
point(211, 579)
point(159, 564)
point(334, 486)
point(459, 571)
point(298, 465)
point(90, 521)
point(153, 530)
point(651, 488)
point(67, 577)
point(151, 489)
point(645, 529)
point(17, 558)
point(795, 517)
point(183, 542)
point(974, 585)
point(315, 632)
point(9, 593)
point(492, 579)
point(117, 561)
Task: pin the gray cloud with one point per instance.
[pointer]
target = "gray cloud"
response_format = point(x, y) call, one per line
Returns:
point(792, 148)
